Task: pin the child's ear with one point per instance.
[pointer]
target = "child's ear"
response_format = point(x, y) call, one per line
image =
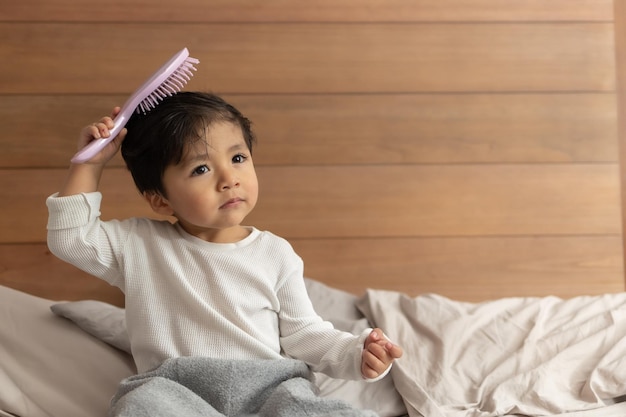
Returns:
point(159, 204)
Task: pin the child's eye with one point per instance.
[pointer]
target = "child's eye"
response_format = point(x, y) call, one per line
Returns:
point(239, 158)
point(202, 169)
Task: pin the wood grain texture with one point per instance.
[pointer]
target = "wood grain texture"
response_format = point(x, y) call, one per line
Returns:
point(450, 146)
point(311, 58)
point(370, 201)
point(472, 269)
point(309, 11)
point(455, 200)
point(33, 269)
point(355, 129)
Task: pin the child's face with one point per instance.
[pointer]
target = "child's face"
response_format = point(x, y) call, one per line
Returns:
point(213, 188)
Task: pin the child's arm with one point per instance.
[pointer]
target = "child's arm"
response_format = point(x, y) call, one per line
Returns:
point(378, 354)
point(84, 178)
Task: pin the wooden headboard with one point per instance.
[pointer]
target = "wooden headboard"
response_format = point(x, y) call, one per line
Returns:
point(446, 146)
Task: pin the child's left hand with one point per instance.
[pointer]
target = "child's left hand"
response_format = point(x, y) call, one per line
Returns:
point(378, 354)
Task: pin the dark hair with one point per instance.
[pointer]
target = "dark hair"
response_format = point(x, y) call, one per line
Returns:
point(160, 137)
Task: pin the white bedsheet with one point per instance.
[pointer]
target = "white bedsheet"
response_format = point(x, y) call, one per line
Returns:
point(513, 356)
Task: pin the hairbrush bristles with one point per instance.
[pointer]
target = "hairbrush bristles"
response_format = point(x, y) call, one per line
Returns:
point(172, 85)
point(168, 80)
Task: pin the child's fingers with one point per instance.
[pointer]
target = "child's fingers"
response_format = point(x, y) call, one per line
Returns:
point(368, 372)
point(92, 131)
point(100, 129)
point(379, 356)
point(115, 112)
point(95, 131)
point(371, 338)
point(377, 336)
point(107, 121)
point(372, 365)
point(394, 350)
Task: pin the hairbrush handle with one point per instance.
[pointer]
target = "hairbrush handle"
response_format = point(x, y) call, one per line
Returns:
point(97, 145)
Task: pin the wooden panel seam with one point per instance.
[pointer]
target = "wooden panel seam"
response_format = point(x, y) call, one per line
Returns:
point(620, 59)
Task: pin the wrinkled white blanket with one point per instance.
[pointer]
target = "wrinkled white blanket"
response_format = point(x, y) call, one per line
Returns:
point(512, 356)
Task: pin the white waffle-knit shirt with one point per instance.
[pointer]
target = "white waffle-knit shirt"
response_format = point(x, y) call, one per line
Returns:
point(188, 297)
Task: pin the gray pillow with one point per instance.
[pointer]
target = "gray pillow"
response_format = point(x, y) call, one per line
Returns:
point(104, 321)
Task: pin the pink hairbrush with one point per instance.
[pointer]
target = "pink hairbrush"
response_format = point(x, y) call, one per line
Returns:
point(168, 80)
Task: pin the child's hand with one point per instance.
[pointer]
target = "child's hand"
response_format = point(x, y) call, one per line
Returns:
point(378, 354)
point(99, 130)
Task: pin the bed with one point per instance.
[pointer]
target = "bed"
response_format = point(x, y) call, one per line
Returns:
point(530, 356)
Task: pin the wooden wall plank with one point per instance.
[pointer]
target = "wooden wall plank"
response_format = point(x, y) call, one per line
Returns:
point(309, 11)
point(311, 58)
point(369, 201)
point(355, 129)
point(428, 128)
point(472, 269)
point(437, 200)
point(33, 269)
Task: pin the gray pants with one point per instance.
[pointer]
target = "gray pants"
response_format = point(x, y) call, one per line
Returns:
point(205, 387)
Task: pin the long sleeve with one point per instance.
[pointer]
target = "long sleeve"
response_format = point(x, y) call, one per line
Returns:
point(76, 235)
point(305, 336)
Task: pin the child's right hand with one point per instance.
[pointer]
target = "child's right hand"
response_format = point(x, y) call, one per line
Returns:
point(100, 129)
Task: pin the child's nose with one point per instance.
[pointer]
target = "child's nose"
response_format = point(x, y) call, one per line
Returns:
point(228, 180)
